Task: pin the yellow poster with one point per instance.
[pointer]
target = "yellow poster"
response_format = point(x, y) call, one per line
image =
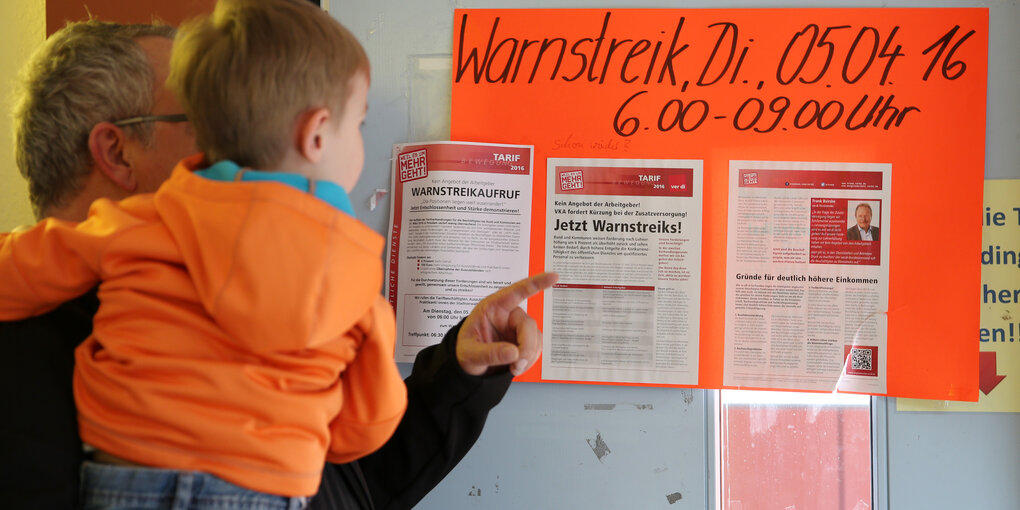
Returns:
point(999, 336)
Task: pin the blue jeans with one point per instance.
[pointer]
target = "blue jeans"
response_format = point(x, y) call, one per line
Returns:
point(111, 487)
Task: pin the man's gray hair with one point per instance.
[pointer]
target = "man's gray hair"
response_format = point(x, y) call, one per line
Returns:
point(86, 73)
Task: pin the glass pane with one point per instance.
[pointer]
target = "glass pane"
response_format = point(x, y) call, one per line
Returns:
point(794, 451)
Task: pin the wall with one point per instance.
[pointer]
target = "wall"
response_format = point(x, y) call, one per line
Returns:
point(59, 12)
point(26, 23)
point(24, 29)
point(535, 452)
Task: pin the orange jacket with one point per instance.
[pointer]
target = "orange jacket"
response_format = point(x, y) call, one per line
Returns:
point(241, 331)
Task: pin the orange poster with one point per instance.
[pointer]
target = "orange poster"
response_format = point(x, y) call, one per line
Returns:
point(753, 92)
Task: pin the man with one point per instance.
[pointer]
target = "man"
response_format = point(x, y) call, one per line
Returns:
point(93, 120)
point(863, 230)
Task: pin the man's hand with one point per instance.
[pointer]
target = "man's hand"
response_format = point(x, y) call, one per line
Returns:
point(498, 332)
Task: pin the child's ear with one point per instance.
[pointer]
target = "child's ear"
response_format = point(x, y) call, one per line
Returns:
point(310, 133)
point(107, 147)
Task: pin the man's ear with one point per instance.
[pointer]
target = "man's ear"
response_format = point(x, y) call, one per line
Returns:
point(310, 127)
point(106, 145)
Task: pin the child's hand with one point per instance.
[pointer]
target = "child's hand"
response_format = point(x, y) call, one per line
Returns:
point(498, 332)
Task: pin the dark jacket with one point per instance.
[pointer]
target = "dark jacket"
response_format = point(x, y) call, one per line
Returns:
point(42, 452)
point(854, 234)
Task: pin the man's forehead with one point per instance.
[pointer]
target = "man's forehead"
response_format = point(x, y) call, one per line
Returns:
point(157, 48)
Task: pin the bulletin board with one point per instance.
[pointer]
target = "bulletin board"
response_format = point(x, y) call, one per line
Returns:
point(904, 87)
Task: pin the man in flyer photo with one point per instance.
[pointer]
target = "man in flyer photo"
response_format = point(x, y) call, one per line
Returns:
point(863, 230)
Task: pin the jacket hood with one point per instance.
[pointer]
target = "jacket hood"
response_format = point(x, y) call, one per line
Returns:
point(265, 258)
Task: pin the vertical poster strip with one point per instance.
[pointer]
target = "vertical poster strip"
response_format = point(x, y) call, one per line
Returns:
point(625, 237)
point(999, 335)
point(807, 275)
point(459, 231)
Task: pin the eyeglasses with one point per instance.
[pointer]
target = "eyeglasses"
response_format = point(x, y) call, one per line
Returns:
point(174, 117)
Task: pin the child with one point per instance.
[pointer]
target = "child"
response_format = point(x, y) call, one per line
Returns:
point(241, 340)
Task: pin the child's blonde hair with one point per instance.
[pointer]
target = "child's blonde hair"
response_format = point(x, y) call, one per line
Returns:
point(247, 72)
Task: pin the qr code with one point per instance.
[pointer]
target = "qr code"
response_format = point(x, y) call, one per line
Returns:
point(862, 360)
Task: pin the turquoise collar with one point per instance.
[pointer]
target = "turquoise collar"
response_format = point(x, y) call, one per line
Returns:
point(330, 192)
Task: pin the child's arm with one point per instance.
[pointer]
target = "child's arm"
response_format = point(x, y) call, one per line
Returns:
point(374, 395)
point(50, 263)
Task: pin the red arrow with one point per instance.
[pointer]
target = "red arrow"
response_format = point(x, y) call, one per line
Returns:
point(988, 379)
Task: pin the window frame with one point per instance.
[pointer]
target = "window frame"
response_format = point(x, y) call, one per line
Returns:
point(879, 450)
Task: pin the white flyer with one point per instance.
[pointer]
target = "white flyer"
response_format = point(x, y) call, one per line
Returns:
point(460, 223)
point(625, 237)
point(807, 275)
